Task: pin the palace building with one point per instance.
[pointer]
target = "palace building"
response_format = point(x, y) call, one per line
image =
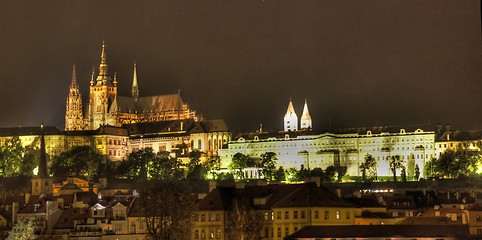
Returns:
point(106, 107)
point(301, 146)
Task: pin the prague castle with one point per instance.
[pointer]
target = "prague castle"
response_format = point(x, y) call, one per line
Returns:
point(105, 107)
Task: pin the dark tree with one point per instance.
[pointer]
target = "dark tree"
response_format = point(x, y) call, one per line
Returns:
point(239, 163)
point(79, 161)
point(317, 172)
point(417, 172)
point(213, 165)
point(11, 157)
point(244, 222)
point(168, 207)
point(403, 174)
point(395, 163)
point(280, 175)
point(330, 173)
point(368, 168)
point(452, 164)
point(268, 165)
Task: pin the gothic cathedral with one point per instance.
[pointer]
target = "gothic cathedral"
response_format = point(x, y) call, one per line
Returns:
point(105, 107)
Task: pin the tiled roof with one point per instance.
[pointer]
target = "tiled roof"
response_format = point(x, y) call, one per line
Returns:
point(365, 202)
point(428, 221)
point(69, 215)
point(272, 196)
point(475, 207)
point(461, 136)
point(161, 103)
point(381, 231)
point(311, 195)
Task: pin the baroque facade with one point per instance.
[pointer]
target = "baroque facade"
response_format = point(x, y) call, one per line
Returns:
point(106, 107)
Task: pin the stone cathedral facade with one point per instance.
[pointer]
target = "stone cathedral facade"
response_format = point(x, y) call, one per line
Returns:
point(105, 107)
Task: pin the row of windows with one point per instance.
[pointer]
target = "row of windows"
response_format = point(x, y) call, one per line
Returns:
point(211, 235)
point(211, 217)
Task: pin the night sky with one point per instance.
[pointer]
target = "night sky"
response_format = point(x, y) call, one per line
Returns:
point(357, 63)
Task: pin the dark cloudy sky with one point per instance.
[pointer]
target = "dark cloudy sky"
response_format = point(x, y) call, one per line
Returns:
point(357, 62)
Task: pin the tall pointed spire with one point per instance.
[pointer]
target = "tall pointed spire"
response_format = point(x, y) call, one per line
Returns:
point(135, 87)
point(103, 78)
point(102, 55)
point(290, 119)
point(306, 118)
point(291, 109)
point(92, 77)
point(73, 84)
point(42, 164)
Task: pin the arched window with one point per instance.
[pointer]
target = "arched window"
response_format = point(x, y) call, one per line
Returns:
point(192, 144)
point(199, 144)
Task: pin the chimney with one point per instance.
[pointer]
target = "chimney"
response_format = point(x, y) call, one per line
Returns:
point(447, 127)
point(15, 208)
point(315, 180)
point(27, 198)
point(240, 185)
point(182, 125)
point(439, 128)
point(212, 185)
point(338, 192)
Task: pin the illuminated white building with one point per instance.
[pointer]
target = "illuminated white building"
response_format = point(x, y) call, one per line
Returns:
point(347, 147)
point(306, 118)
point(290, 119)
point(313, 150)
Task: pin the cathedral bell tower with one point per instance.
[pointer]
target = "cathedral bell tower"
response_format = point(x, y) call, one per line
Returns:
point(103, 91)
point(306, 118)
point(74, 119)
point(290, 119)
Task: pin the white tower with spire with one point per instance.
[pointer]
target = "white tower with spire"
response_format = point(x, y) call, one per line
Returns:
point(306, 118)
point(290, 119)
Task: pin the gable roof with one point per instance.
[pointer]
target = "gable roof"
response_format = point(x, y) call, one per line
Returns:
point(272, 196)
point(313, 196)
point(381, 231)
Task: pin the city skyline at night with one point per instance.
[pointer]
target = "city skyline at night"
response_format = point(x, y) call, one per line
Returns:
point(381, 62)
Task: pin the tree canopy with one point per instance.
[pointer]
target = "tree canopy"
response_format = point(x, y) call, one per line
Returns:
point(79, 161)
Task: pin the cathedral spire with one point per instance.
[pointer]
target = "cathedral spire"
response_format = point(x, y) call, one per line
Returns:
point(306, 118)
point(290, 119)
point(291, 109)
point(42, 164)
point(103, 78)
point(73, 84)
point(135, 87)
point(92, 77)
